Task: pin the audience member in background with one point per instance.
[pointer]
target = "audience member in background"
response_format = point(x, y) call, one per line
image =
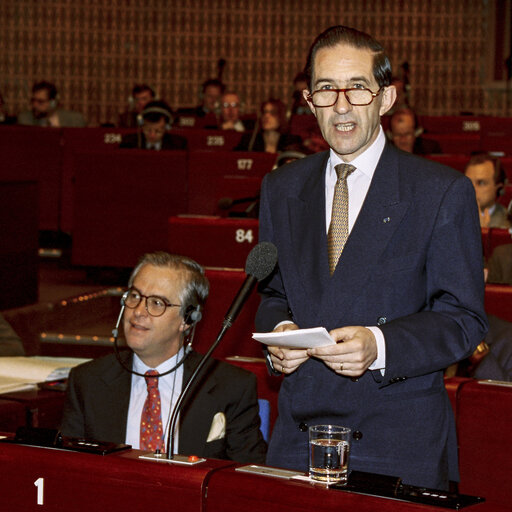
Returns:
point(141, 95)
point(211, 93)
point(500, 262)
point(45, 109)
point(107, 401)
point(299, 104)
point(154, 125)
point(488, 178)
point(406, 134)
point(10, 342)
point(270, 133)
point(492, 359)
point(5, 118)
point(230, 112)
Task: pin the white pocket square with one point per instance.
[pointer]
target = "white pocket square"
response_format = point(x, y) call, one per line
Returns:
point(218, 428)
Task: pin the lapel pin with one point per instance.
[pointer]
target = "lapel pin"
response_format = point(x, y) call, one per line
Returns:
point(386, 220)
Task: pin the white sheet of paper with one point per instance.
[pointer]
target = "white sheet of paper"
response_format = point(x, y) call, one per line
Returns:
point(299, 338)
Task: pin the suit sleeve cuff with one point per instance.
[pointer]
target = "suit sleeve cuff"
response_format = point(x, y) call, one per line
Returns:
point(380, 362)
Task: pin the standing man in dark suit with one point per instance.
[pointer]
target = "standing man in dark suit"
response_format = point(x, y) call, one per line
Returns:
point(107, 399)
point(404, 298)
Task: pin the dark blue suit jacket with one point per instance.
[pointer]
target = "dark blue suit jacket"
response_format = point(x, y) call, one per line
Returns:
point(412, 265)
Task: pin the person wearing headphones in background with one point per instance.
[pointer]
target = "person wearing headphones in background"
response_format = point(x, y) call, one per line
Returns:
point(109, 399)
point(141, 95)
point(488, 178)
point(154, 124)
point(45, 109)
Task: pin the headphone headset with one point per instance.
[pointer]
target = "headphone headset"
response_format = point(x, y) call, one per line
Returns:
point(191, 316)
point(155, 110)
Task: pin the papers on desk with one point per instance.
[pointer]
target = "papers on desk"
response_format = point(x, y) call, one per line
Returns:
point(22, 373)
point(299, 338)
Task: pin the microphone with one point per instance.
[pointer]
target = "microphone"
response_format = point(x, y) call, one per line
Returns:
point(259, 264)
point(225, 203)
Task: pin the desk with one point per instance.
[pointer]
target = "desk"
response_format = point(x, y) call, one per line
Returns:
point(66, 481)
point(70, 481)
point(12, 415)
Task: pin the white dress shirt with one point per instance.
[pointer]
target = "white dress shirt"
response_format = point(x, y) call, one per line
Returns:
point(169, 387)
point(358, 183)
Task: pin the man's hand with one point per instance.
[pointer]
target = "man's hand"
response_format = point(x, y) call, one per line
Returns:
point(287, 360)
point(354, 352)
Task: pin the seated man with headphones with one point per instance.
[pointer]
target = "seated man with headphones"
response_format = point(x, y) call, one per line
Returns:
point(488, 177)
point(45, 109)
point(128, 397)
point(154, 124)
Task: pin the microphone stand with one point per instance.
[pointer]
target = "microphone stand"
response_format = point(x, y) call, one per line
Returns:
point(170, 437)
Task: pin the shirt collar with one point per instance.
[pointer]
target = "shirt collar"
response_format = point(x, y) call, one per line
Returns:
point(140, 367)
point(366, 162)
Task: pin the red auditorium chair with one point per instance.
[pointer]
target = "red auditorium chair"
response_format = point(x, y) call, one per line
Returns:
point(484, 419)
point(498, 300)
point(213, 241)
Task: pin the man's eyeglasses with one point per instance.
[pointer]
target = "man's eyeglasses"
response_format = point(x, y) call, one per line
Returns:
point(155, 306)
point(233, 104)
point(356, 96)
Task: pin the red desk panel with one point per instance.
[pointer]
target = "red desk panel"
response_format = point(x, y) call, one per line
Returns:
point(233, 491)
point(213, 241)
point(497, 142)
point(123, 200)
point(498, 300)
point(451, 124)
point(69, 481)
point(484, 419)
point(459, 162)
point(213, 140)
point(12, 415)
point(35, 154)
point(206, 170)
point(224, 285)
point(75, 140)
point(454, 143)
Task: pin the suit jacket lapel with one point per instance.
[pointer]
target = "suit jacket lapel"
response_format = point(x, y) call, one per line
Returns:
point(117, 384)
point(308, 232)
point(197, 407)
point(379, 217)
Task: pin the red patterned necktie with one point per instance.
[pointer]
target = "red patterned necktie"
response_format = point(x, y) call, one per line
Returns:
point(151, 430)
point(338, 229)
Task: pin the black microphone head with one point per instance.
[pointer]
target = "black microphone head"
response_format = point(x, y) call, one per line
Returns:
point(261, 260)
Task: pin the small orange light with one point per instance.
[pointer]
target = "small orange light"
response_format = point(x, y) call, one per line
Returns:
point(193, 458)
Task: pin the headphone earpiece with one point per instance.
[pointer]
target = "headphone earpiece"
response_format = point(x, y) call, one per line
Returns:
point(192, 314)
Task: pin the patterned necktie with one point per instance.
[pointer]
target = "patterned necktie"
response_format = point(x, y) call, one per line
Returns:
point(338, 229)
point(151, 430)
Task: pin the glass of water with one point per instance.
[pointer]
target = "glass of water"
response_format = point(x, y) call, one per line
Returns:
point(329, 447)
